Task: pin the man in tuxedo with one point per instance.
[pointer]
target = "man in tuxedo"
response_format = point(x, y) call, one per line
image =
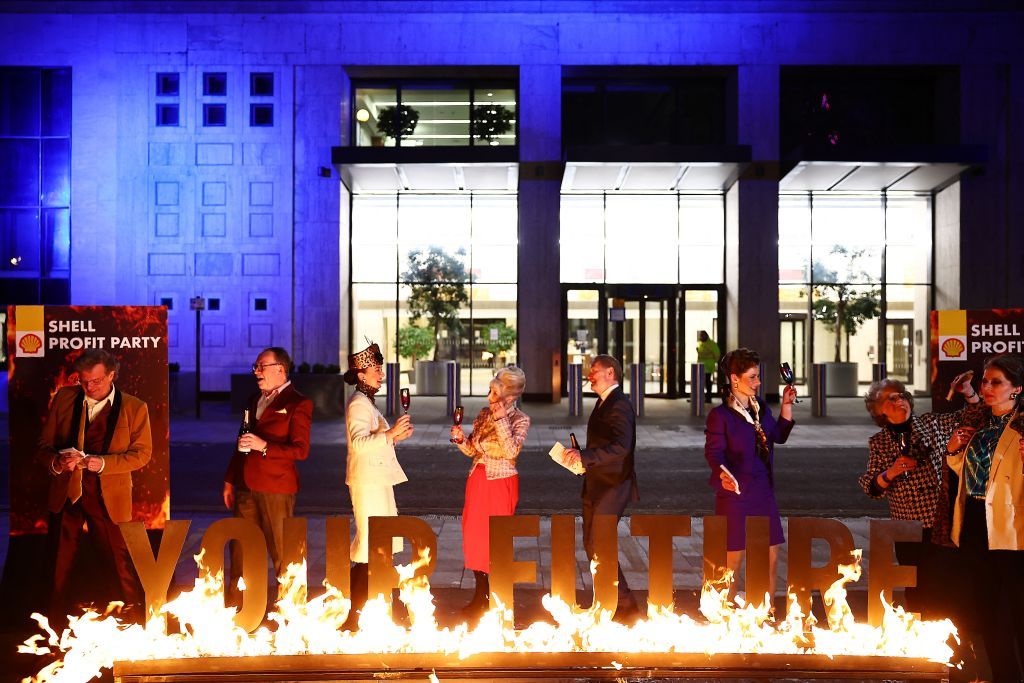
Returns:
point(609, 483)
point(94, 437)
point(261, 480)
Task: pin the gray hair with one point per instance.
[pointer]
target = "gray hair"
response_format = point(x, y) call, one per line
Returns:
point(873, 403)
point(510, 382)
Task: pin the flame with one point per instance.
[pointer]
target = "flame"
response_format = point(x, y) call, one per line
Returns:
point(204, 627)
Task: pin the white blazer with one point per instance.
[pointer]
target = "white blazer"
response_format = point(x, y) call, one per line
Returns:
point(371, 459)
point(1004, 494)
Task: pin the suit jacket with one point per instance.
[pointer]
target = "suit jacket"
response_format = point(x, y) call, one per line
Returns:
point(610, 480)
point(128, 446)
point(1004, 494)
point(284, 425)
point(371, 459)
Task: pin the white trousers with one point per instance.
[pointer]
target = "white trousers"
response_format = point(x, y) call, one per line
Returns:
point(371, 500)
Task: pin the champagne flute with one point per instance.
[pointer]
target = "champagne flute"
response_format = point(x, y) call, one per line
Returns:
point(456, 421)
point(788, 377)
point(405, 398)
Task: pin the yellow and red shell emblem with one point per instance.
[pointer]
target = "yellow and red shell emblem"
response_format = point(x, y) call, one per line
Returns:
point(952, 347)
point(30, 343)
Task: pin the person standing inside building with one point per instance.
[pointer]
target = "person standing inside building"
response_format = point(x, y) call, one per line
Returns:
point(708, 354)
point(492, 488)
point(372, 469)
point(988, 513)
point(93, 439)
point(261, 480)
point(739, 446)
point(609, 482)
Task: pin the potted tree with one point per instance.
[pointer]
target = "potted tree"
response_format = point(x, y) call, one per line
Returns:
point(498, 339)
point(437, 283)
point(491, 121)
point(414, 342)
point(395, 121)
point(843, 308)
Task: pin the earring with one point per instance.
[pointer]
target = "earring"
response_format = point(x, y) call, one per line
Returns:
point(1013, 396)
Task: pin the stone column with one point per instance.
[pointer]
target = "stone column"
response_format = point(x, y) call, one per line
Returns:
point(540, 179)
point(752, 224)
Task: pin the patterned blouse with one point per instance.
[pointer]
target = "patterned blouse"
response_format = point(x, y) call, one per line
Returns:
point(979, 455)
point(496, 443)
point(921, 493)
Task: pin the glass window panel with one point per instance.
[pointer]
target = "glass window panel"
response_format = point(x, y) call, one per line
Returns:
point(19, 102)
point(642, 234)
point(794, 238)
point(56, 106)
point(56, 162)
point(19, 239)
point(701, 265)
point(374, 239)
point(495, 220)
point(907, 264)
point(847, 263)
point(906, 344)
point(373, 316)
point(439, 223)
point(909, 238)
point(583, 340)
point(215, 84)
point(494, 264)
point(56, 224)
point(494, 114)
point(19, 167)
point(700, 312)
point(495, 340)
point(581, 238)
point(702, 219)
point(847, 220)
point(434, 116)
point(793, 329)
point(859, 346)
point(370, 105)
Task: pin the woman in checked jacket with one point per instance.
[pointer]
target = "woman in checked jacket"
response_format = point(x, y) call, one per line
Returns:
point(499, 432)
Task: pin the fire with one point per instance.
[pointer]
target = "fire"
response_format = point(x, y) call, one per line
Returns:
point(204, 627)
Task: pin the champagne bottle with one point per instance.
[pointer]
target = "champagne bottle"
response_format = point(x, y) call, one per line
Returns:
point(244, 429)
point(573, 442)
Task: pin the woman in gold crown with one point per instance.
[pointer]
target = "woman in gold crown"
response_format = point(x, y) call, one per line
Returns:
point(372, 469)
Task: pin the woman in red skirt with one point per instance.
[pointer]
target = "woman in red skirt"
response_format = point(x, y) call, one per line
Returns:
point(499, 432)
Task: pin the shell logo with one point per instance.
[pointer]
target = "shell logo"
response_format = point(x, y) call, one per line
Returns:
point(30, 343)
point(952, 347)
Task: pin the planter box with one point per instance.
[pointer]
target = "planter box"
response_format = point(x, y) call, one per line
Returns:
point(432, 377)
point(327, 392)
point(841, 379)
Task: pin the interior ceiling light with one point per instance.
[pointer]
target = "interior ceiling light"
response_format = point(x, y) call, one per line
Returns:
point(363, 115)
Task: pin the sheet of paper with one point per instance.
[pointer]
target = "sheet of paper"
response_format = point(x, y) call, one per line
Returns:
point(735, 481)
point(557, 454)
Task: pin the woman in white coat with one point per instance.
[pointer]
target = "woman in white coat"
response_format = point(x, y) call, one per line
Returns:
point(372, 469)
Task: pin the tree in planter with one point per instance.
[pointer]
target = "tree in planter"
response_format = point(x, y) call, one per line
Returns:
point(498, 338)
point(392, 121)
point(842, 307)
point(437, 283)
point(414, 342)
point(490, 121)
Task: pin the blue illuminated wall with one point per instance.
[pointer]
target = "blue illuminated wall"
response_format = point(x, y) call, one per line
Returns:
point(213, 187)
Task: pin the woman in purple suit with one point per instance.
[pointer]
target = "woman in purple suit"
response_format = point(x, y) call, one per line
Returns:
point(740, 437)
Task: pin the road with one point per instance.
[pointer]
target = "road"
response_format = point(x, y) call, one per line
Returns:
point(809, 481)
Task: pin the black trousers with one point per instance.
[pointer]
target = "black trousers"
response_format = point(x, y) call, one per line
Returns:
point(609, 506)
point(67, 525)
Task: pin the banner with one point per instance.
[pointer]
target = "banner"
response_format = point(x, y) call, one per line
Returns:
point(43, 343)
point(964, 340)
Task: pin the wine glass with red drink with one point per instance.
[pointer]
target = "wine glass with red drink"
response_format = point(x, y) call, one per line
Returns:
point(405, 398)
point(456, 421)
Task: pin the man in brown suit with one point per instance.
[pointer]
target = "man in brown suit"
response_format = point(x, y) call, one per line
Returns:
point(94, 438)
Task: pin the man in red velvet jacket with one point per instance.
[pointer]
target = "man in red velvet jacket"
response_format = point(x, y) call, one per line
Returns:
point(261, 481)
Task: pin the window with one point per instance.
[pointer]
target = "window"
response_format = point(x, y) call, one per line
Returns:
point(261, 84)
point(213, 304)
point(215, 114)
point(259, 304)
point(426, 113)
point(167, 114)
point(215, 84)
point(167, 84)
point(261, 115)
point(168, 302)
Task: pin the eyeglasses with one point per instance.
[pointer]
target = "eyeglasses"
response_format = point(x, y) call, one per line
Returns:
point(895, 398)
point(262, 367)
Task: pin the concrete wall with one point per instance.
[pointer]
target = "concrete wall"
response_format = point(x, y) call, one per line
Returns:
point(240, 212)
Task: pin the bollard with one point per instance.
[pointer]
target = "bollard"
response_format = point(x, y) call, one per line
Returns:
point(393, 386)
point(819, 390)
point(575, 389)
point(877, 372)
point(698, 387)
point(636, 388)
point(453, 391)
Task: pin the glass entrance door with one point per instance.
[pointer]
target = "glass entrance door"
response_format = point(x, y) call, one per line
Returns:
point(638, 332)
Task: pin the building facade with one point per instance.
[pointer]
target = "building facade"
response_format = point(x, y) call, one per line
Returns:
point(805, 178)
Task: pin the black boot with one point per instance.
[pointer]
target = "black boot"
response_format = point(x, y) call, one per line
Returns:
point(481, 600)
point(358, 588)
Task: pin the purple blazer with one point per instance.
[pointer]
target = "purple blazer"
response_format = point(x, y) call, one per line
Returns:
point(730, 440)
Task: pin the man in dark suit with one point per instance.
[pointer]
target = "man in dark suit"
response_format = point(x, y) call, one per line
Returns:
point(94, 437)
point(261, 480)
point(609, 483)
